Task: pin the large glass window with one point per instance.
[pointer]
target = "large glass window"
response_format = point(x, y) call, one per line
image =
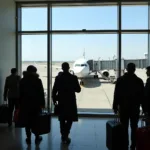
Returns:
point(96, 94)
point(34, 52)
point(34, 18)
point(134, 49)
point(99, 50)
point(90, 18)
point(135, 17)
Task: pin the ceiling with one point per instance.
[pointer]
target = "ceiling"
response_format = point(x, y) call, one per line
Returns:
point(81, 2)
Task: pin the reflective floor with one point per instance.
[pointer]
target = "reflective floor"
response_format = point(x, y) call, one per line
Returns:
point(86, 134)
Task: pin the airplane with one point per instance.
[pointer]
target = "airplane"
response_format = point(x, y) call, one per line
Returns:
point(82, 70)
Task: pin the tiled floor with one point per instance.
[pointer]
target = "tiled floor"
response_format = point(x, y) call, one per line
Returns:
point(86, 134)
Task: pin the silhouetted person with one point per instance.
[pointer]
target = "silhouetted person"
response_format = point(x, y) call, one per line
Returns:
point(147, 93)
point(64, 90)
point(24, 73)
point(31, 100)
point(128, 96)
point(11, 92)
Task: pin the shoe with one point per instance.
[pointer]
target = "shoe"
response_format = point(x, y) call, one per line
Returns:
point(132, 147)
point(28, 141)
point(38, 139)
point(66, 141)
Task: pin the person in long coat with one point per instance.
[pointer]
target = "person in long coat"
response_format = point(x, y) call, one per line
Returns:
point(128, 97)
point(31, 101)
point(63, 91)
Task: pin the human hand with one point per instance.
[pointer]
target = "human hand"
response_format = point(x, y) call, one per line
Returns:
point(115, 111)
point(5, 98)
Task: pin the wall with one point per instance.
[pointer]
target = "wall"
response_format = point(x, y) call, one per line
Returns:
point(7, 41)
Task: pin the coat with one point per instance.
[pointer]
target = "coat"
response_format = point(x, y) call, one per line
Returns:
point(129, 93)
point(11, 89)
point(31, 97)
point(63, 91)
point(147, 96)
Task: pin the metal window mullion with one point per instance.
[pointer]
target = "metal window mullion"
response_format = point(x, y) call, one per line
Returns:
point(148, 53)
point(119, 42)
point(49, 57)
point(50, 34)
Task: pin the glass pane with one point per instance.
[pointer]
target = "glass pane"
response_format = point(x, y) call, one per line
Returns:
point(34, 19)
point(134, 49)
point(134, 17)
point(78, 18)
point(34, 52)
point(96, 93)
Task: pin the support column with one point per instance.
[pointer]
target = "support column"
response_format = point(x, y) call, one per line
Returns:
point(7, 41)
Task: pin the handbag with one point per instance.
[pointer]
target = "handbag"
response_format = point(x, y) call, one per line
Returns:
point(42, 124)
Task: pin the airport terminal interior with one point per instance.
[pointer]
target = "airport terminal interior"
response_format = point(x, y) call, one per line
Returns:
point(97, 38)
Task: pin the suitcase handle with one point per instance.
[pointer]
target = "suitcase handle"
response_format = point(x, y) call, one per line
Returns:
point(117, 118)
point(143, 120)
point(44, 111)
point(5, 102)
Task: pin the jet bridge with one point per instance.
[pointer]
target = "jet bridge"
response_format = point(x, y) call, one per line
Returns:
point(95, 66)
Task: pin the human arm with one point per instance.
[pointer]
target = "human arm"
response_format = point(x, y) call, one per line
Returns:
point(146, 96)
point(55, 91)
point(6, 89)
point(42, 95)
point(116, 96)
point(77, 87)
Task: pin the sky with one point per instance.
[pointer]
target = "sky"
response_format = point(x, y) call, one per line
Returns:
point(71, 47)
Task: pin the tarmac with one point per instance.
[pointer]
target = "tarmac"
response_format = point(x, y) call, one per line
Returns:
point(96, 95)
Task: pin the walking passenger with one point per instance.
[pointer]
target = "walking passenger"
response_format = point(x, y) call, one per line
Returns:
point(64, 90)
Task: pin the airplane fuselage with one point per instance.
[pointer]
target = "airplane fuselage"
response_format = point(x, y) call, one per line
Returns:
point(81, 68)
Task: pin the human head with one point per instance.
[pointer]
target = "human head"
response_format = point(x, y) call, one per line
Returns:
point(131, 68)
point(32, 69)
point(24, 73)
point(148, 71)
point(65, 67)
point(13, 71)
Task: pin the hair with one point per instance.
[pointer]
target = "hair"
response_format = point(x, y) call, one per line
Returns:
point(24, 73)
point(65, 66)
point(148, 68)
point(13, 70)
point(32, 69)
point(131, 68)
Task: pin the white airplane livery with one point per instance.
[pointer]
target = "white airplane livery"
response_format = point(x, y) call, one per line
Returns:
point(81, 68)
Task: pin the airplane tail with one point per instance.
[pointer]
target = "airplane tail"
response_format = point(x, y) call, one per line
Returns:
point(84, 53)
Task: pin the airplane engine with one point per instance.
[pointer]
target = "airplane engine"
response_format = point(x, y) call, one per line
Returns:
point(105, 73)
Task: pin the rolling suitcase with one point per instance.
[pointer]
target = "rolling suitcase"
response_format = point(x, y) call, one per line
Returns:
point(114, 135)
point(143, 137)
point(4, 113)
point(42, 124)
